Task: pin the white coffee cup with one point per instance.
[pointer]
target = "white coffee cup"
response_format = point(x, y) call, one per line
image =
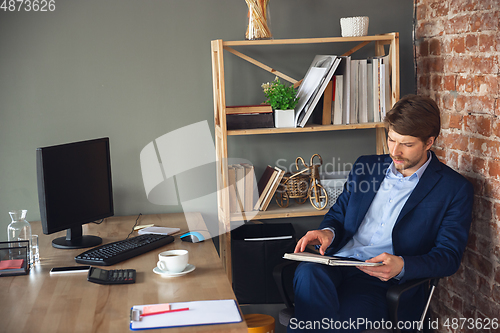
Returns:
point(173, 261)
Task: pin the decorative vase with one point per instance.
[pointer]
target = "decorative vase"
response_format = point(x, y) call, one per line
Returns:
point(258, 20)
point(354, 26)
point(19, 228)
point(284, 118)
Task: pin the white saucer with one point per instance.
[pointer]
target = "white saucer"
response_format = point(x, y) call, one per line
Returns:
point(189, 268)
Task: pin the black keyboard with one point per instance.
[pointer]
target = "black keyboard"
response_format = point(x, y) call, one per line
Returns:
point(113, 253)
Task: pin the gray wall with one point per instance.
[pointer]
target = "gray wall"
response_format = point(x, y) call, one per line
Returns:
point(135, 70)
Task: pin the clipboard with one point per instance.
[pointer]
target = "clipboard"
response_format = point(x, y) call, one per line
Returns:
point(211, 312)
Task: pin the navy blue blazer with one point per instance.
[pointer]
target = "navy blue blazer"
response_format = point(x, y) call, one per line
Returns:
point(432, 229)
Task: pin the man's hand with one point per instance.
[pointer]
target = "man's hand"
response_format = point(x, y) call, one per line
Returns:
point(392, 266)
point(315, 237)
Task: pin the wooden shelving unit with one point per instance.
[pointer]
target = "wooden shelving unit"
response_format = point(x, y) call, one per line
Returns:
point(221, 132)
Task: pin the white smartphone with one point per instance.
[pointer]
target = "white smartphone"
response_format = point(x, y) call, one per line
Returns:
point(70, 269)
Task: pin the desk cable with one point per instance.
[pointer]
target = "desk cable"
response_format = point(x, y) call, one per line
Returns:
point(136, 221)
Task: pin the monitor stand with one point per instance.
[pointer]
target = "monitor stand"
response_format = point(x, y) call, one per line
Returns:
point(76, 240)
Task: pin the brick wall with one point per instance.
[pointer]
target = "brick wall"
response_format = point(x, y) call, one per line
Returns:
point(457, 50)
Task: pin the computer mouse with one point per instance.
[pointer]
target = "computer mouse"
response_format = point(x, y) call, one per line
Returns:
point(192, 237)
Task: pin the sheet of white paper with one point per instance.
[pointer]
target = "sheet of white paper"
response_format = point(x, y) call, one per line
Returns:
point(158, 230)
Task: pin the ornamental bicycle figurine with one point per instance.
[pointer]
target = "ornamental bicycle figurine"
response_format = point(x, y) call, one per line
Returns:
point(302, 185)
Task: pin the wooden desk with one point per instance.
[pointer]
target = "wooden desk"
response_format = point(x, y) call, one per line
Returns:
point(40, 302)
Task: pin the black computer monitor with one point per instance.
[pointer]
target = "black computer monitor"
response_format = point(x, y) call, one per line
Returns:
point(74, 188)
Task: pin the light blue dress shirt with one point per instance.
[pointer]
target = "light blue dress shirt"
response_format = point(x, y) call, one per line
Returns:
point(374, 235)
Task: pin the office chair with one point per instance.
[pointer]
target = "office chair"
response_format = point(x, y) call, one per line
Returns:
point(283, 276)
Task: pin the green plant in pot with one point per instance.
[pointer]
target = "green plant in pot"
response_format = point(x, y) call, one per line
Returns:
point(283, 99)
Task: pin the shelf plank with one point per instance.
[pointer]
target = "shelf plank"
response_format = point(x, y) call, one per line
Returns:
point(307, 128)
point(383, 37)
point(294, 210)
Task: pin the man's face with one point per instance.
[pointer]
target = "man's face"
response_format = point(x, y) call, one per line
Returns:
point(408, 153)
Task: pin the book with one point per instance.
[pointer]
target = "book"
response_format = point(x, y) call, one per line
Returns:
point(376, 90)
point(387, 86)
point(240, 185)
point(370, 90)
point(245, 109)
point(344, 69)
point(273, 188)
point(353, 92)
point(250, 192)
point(327, 103)
point(314, 84)
point(327, 260)
point(384, 85)
point(233, 200)
point(362, 91)
point(377, 77)
point(337, 118)
point(264, 184)
point(249, 121)
point(382, 90)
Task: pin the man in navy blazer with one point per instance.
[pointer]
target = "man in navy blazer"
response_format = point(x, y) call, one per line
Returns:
point(406, 210)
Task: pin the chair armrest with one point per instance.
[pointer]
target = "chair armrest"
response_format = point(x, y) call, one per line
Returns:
point(283, 277)
point(395, 292)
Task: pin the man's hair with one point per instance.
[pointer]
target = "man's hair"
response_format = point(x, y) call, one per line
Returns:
point(416, 116)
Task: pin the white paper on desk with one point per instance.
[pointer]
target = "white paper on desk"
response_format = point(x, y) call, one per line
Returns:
point(158, 231)
point(200, 313)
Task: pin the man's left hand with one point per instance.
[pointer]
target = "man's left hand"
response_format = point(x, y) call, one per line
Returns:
point(392, 266)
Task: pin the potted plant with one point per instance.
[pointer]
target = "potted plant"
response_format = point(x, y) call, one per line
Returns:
point(283, 99)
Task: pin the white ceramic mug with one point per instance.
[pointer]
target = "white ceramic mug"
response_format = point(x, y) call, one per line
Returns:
point(173, 261)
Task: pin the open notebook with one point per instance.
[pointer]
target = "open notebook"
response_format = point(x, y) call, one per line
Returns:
point(327, 260)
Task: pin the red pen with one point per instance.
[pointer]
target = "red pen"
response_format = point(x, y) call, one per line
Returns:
point(166, 311)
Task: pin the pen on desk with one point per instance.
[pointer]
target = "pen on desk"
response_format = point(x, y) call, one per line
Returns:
point(166, 311)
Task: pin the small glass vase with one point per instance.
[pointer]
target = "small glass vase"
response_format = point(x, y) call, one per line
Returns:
point(19, 228)
point(258, 20)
